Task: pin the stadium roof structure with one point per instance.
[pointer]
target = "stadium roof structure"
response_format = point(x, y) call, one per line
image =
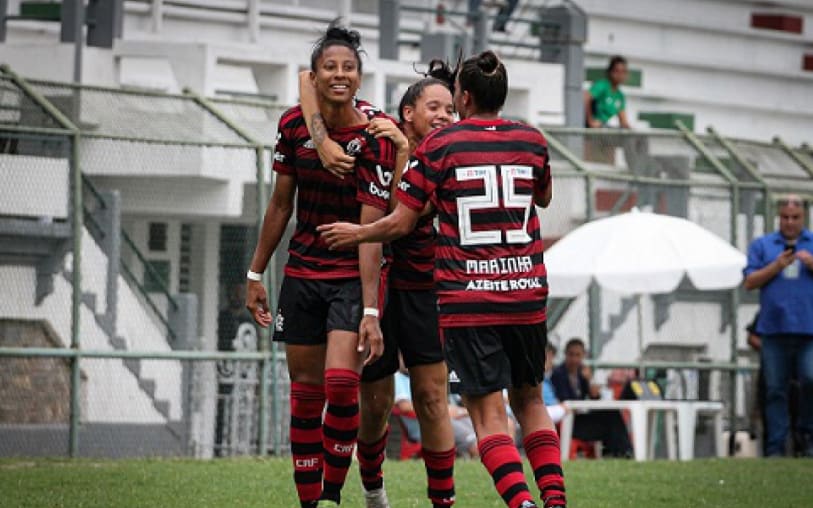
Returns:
point(680, 158)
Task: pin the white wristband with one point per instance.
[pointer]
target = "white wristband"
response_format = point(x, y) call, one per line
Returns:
point(257, 277)
point(371, 311)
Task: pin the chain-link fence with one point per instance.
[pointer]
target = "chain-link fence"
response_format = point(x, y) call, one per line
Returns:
point(126, 334)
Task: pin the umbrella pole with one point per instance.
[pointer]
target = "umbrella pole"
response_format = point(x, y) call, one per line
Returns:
point(640, 312)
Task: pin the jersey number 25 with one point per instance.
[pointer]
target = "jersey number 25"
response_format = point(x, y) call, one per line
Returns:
point(490, 200)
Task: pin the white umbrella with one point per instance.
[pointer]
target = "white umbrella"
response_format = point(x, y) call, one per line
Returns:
point(641, 253)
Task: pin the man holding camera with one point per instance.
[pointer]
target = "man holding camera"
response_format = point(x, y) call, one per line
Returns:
point(780, 265)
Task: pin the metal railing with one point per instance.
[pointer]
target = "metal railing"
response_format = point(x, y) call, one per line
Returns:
point(676, 168)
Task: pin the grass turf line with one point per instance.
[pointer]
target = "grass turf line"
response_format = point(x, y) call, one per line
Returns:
point(267, 483)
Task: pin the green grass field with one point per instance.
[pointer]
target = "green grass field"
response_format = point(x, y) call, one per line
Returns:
point(267, 483)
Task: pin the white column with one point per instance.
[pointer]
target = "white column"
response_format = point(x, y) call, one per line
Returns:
point(253, 15)
point(157, 15)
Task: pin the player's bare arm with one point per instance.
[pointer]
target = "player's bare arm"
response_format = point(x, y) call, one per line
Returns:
point(370, 254)
point(276, 219)
point(330, 153)
point(391, 227)
point(546, 197)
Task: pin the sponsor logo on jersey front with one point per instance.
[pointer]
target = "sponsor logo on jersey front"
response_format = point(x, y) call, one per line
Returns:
point(504, 285)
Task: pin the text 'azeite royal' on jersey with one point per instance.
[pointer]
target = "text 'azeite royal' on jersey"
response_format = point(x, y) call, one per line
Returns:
point(323, 198)
point(484, 173)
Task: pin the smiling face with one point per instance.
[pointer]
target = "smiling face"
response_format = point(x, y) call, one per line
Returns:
point(432, 110)
point(337, 77)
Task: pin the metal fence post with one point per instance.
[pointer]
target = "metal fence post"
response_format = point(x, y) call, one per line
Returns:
point(262, 438)
point(76, 298)
point(77, 224)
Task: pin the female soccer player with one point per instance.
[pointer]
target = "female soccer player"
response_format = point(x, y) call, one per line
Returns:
point(319, 316)
point(485, 174)
point(410, 319)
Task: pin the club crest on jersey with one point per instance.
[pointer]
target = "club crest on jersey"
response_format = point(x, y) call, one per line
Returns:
point(309, 145)
point(354, 147)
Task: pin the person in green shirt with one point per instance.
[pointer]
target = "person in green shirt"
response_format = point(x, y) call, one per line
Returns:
point(604, 99)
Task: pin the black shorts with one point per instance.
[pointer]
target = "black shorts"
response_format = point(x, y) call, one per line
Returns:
point(410, 325)
point(309, 309)
point(487, 359)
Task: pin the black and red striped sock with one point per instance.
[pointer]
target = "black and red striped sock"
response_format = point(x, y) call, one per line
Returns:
point(440, 476)
point(542, 448)
point(340, 428)
point(502, 460)
point(371, 457)
point(307, 404)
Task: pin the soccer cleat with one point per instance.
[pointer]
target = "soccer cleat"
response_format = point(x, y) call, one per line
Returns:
point(528, 504)
point(376, 498)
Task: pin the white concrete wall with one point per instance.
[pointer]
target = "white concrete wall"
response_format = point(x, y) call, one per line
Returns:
point(113, 391)
point(703, 57)
point(34, 186)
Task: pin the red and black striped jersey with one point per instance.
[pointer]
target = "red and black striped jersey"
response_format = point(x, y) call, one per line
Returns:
point(413, 255)
point(323, 198)
point(414, 258)
point(483, 176)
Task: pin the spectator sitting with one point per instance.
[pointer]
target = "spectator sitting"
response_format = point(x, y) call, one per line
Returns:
point(556, 409)
point(571, 381)
point(464, 437)
point(605, 100)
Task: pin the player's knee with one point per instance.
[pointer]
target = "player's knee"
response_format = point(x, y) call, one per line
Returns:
point(430, 402)
point(523, 401)
point(377, 405)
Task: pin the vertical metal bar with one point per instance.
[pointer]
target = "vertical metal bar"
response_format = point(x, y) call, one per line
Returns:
point(78, 41)
point(3, 21)
point(594, 291)
point(262, 438)
point(735, 328)
point(76, 297)
point(276, 412)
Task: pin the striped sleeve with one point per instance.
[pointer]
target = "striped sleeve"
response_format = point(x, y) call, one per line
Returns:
point(284, 150)
point(374, 174)
point(541, 170)
point(419, 181)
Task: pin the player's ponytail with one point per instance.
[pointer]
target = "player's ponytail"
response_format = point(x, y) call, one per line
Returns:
point(485, 78)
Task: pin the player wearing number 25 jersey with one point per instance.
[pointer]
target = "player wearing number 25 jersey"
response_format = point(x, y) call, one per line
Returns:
point(488, 268)
point(484, 175)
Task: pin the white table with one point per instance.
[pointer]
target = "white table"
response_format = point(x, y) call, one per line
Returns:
point(642, 414)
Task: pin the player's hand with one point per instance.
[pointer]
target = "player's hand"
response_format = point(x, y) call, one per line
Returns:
point(340, 234)
point(385, 128)
point(334, 159)
point(257, 303)
point(371, 339)
point(594, 124)
point(786, 258)
point(806, 258)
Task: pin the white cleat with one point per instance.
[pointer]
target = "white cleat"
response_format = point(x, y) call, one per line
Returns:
point(376, 498)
